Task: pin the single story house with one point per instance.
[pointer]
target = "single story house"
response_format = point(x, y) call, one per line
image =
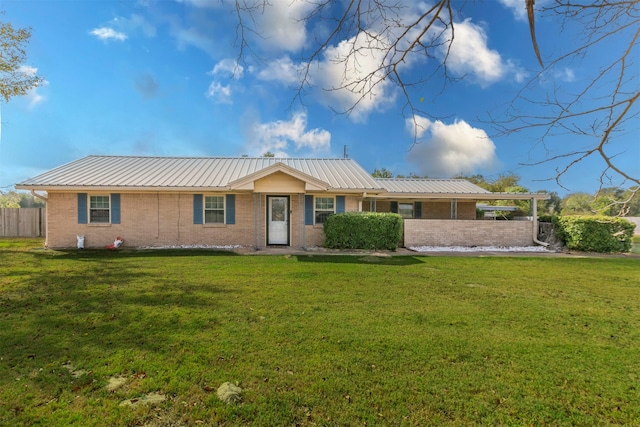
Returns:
point(255, 202)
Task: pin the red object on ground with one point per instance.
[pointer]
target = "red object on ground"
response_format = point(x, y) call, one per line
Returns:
point(116, 244)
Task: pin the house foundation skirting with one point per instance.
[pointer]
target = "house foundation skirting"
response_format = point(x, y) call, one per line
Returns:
point(435, 232)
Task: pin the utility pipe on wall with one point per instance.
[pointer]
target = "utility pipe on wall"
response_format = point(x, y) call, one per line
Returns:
point(534, 217)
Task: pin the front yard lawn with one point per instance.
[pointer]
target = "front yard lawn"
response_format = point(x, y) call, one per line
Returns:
point(86, 337)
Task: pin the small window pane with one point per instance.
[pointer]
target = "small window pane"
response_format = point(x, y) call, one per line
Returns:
point(99, 209)
point(277, 210)
point(324, 203)
point(405, 210)
point(321, 216)
point(214, 203)
point(214, 210)
point(99, 202)
point(213, 217)
point(325, 206)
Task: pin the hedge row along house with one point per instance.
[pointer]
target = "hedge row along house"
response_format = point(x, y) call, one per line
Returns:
point(255, 202)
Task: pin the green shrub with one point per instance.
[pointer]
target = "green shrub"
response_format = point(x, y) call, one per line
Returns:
point(545, 218)
point(595, 233)
point(363, 230)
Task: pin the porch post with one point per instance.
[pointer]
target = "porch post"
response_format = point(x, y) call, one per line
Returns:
point(301, 228)
point(255, 221)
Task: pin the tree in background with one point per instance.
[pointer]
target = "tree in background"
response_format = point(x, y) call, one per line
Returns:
point(382, 173)
point(16, 79)
point(14, 199)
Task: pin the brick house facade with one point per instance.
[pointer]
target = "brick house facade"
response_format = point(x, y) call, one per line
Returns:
point(218, 202)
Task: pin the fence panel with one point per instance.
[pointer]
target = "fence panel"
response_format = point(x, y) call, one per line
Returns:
point(23, 222)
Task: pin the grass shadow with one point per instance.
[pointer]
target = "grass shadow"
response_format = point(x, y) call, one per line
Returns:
point(360, 259)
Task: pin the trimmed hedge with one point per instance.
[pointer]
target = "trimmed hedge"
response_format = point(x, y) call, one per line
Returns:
point(363, 230)
point(595, 233)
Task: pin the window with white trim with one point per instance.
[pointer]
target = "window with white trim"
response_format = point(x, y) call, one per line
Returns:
point(325, 206)
point(405, 210)
point(99, 210)
point(214, 209)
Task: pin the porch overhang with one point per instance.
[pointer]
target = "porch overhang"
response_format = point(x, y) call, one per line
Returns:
point(460, 196)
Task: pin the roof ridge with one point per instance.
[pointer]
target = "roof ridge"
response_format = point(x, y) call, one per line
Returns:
point(213, 157)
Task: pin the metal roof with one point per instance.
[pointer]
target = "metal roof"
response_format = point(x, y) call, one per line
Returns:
point(172, 173)
point(431, 186)
point(138, 173)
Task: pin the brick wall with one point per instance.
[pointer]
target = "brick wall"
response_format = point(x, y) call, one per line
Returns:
point(159, 219)
point(467, 233)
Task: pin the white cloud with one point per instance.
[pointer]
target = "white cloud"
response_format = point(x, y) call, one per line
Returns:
point(283, 70)
point(277, 24)
point(517, 7)
point(219, 93)
point(106, 33)
point(33, 97)
point(282, 25)
point(450, 149)
point(469, 54)
point(352, 78)
point(228, 67)
point(565, 74)
point(281, 137)
point(134, 23)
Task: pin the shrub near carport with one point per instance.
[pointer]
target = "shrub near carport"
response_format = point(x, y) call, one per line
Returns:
point(363, 230)
point(595, 233)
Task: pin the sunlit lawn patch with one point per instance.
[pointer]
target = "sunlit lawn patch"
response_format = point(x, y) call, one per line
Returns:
point(316, 340)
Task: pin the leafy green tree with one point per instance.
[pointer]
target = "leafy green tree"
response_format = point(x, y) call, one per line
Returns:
point(268, 154)
point(552, 206)
point(15, 78)
point(14, 199)
point(577, 204)
point(9, 200)
point(382, 173)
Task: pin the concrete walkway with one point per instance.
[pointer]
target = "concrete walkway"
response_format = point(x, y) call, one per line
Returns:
point(285, 250)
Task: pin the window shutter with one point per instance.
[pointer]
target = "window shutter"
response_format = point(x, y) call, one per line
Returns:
point(197, 209)
point(417, 210)
point(340, 204)
point(394, 207)
point(308, 210)
point(82, 208)
point(115, 208)
point(230, 206)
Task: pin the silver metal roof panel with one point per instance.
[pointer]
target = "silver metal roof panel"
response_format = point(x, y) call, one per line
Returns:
point(430, 186)
point(192, 172)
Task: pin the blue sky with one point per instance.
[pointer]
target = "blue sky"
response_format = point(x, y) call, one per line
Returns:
point(161, 78)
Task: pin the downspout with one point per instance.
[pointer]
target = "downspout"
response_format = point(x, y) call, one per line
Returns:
point(534, 217)
point(39, 196)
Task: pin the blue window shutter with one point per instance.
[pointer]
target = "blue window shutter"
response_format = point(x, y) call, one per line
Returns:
point(82, 208)
point(308, 210)
point(230, 206)
point(394, 207)
point(417, 210)
point(340, 204)
point(115, 208)
point(197, 209)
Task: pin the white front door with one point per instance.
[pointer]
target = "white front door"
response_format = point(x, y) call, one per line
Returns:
point(278, 220)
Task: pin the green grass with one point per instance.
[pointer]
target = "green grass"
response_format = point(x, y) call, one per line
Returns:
point(317, 340)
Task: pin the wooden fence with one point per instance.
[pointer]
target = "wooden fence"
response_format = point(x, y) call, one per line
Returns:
point(23, 222)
